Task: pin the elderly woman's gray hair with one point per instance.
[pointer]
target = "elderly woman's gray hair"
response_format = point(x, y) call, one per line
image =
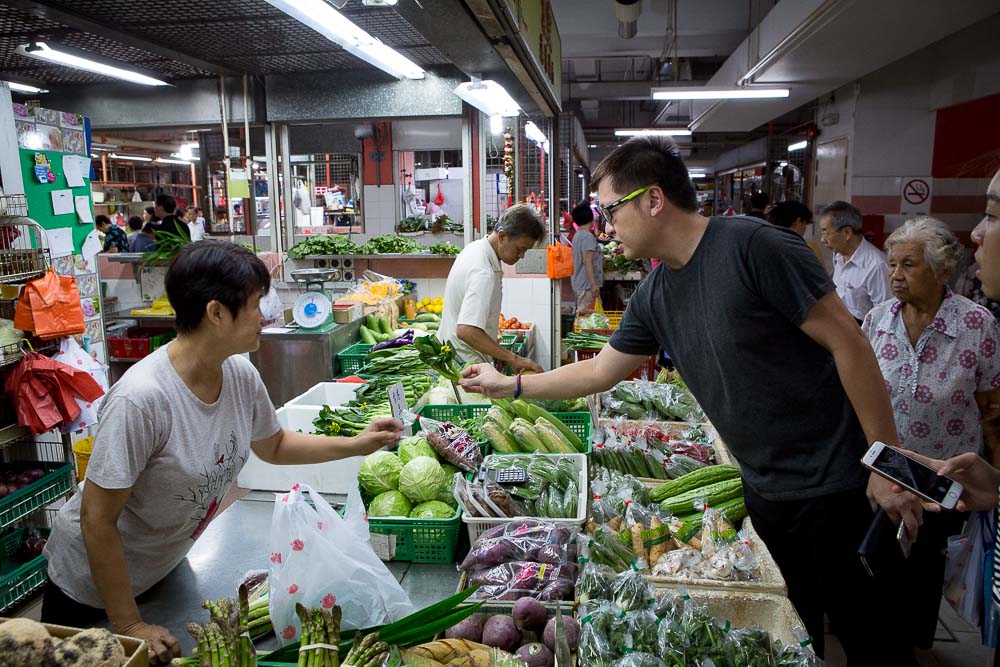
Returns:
point(942, 249)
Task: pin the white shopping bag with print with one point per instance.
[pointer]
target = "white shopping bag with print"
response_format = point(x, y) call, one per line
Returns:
point(71, 354)
point(319, 559)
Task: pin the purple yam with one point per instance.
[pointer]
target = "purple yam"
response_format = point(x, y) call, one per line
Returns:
point(470, 628)
point(570, 627)
point(529, 614)
point(500, 632)
point(536, 655)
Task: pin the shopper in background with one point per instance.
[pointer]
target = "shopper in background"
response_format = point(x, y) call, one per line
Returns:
point(166, 208)
point(938, 355)
point(758, 205)
point(740, 305)
point(797, 217)
point(196, 223)
point(860, 270)
point(135, 225)
point(470, 322)
point(173, 434)
point(145, 241)
point(149, 215)
point(114, 236)
point(588, 262)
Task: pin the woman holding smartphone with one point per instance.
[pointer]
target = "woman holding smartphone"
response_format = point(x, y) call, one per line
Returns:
point(938, 354)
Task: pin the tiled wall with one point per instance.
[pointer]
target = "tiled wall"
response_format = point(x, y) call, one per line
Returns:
point(959, 202)
point(528, 300)
point(380, 206)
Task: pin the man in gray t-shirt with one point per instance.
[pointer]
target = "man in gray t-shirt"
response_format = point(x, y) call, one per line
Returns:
point(172, 436)
point(588, 261)
point(756, 328)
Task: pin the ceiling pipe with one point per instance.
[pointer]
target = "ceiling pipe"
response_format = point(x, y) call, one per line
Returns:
point(627, 12)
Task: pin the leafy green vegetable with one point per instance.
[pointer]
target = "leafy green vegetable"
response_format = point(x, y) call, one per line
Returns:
point(438, 356)
point(168, 244)
point(445, 249)
point(412, 223)
point(333, 244)
point(391, 245)
point(433, 509)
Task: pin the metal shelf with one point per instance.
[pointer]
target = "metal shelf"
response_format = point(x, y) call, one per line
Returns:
point(13, 433)
point(167, 321)
point(119, 360)
point(387, 256)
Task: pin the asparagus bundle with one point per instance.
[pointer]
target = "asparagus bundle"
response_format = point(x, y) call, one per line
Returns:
point(320, 643)
point(225, 640)
point(367, 651)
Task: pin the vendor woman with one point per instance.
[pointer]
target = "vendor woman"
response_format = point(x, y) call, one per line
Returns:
point(172, 436)
point(470, 322)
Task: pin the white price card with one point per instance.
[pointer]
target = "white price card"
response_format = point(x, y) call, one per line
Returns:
point(597, 434)
point(397, 403)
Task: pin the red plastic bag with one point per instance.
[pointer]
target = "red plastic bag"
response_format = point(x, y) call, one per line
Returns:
point(439, 200)
point(44, 392)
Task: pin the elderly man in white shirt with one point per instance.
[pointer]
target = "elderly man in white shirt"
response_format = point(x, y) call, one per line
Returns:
point(860, 270)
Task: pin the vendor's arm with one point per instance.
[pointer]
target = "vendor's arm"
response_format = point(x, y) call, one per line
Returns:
point(99, 513)
point(831, 325)
point(293, 448)
point(479, 340)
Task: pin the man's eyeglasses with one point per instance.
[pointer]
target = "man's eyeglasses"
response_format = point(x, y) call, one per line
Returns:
point(606, 210)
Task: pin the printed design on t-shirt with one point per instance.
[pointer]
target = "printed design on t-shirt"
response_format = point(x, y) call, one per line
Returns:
point(218, 478)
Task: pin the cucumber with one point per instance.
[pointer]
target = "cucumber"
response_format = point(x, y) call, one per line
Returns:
point(371, 322)
point(427, 317)
point(367, 336)
point(694, 480)
point(383, 324)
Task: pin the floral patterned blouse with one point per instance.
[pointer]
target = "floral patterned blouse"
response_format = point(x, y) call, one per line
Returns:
point(933, 386)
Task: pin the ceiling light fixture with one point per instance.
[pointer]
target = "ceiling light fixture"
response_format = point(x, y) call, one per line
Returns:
point(60, 56)
point(136, 158)
point(535, 134)
point(337, 28)
point(489, 97)
point(166, 160)
point(496, 124)
point(181, 156)
point(675, 132)
point(591, 145)
point(694, 174)
point(704, 93)
point(24, 88)
point(798, 147)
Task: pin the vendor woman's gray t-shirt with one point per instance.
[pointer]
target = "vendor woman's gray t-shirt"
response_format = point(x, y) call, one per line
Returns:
point(178, 455)
point(729, 319)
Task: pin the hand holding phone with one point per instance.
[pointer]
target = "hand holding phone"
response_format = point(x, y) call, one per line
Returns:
point(894, 465)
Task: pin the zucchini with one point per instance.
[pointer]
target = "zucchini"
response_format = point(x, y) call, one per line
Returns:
point(713, 494)
point(371, 322)
point(694, 480)
point(367, 336)
point(426, 317)
point(384, 326)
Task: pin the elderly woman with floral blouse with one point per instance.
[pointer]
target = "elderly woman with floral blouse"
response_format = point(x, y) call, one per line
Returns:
point(938, 355)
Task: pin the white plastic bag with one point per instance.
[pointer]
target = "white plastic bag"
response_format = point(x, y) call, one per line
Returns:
point(71, 354)
point(963, 572)
point(320, 560)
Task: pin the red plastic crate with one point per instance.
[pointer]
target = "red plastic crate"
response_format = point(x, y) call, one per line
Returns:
point(128, 348)
point(647, 371)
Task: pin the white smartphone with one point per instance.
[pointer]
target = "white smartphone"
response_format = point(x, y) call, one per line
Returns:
point(903, 537)
point(909, 473)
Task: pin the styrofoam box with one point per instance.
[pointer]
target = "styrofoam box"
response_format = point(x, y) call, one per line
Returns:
point(744, 609)
point(325, 393)
point(332, 477)
point(478, 525)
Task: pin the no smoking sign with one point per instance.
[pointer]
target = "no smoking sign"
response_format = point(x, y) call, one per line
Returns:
point(915, 195)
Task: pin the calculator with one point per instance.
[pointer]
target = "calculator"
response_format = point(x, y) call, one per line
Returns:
point(507, 476)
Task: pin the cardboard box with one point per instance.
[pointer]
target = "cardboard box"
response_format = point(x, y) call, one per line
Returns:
point(345, 312)
point(136, 653)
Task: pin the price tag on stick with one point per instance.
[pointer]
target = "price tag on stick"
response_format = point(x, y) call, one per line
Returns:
point(397, 403)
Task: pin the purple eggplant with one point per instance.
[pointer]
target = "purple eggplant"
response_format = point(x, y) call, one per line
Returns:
point(402, 341)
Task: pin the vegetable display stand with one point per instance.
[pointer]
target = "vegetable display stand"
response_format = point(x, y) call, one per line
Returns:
point(57, 481)
point(647, 371)
point(479, 525)
point(770, 581)
point(420, 540)
point(354, 358)
point(19, 578)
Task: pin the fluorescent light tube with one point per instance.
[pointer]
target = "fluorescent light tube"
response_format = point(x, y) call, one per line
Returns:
point(489, 97)
point(695, 175)
point(43, 51)
point(703, 93)
point(532, 132)
point(166, 160)
point(654, 133)
point(181, 156)
point(136, 158)
point(337, 28)
point(24, 88)
point(496, 124)
point(798, 147)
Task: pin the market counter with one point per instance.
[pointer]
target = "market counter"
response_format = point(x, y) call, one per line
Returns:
point(235, 543)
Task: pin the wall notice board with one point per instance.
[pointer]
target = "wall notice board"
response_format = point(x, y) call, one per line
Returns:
point(55, 134)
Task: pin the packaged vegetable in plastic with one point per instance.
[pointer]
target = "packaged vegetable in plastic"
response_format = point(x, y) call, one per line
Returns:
point(552, 532)
point(639, 660)
point(751, 647)
point(452, 443)
point(636, 631)
point(716, 530)
point(596, 648)
point(493, 551)
point(678, 465)
point(606, 548)
point(594, 582)
point(646, 531)
point(678, 563)
point(631, 591)
point(706, 638)
point(799, 654)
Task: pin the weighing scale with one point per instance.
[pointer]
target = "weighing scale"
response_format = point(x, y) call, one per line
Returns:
point(313, 310)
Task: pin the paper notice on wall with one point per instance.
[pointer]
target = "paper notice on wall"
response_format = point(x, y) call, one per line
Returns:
point(239, 186)
point(60, 242)
point(83, 211)
point(62, 202)
point(71, 168)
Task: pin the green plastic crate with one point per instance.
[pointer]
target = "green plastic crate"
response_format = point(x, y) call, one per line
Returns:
point(18, 579)
point(507, 341)
point(161, 339)
point(57, 481)
point(354, 358)
point(578, 422)
point(419, 540)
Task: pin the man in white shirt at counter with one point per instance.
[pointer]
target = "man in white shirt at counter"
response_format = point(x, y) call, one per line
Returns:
point(470, 322)
point(860, 270)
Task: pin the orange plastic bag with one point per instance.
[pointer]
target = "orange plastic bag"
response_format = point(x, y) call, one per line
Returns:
point(559, 261)
point(54, 306)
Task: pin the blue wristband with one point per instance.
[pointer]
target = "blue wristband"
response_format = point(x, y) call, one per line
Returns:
point(517, 391)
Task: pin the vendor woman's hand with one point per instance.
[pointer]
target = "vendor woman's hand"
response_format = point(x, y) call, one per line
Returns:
point(162, 645)
point(378, 434)
point(904, 507)
point(484, 379)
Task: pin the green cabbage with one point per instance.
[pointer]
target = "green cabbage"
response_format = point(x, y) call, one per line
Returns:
point(380, 472)
point(411, 448)
point(390, 503)
point(432, 510)
point(421, 479)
